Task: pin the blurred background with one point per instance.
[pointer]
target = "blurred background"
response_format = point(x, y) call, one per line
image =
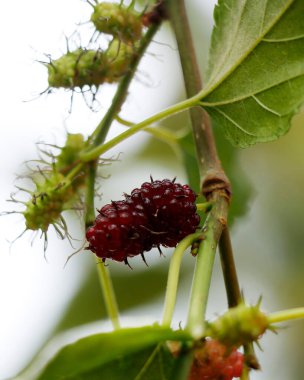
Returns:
point(40, 297)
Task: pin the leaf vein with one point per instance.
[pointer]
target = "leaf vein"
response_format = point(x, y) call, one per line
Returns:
point(293, 38)
point(244, 97)
point(263, 18)
point(234, 122)
point(147, 363)
point(228, 51)
point(260, 103)
point(212, 86)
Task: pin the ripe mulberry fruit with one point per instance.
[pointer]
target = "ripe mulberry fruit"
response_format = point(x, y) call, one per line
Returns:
point(119, 232)
point(158, 213)
point(213, 361)
point(170, 208)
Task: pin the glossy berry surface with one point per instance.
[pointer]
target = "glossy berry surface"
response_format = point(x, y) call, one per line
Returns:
point(119, 232)
point(170, 208)
point(159, 213)
point(213, 361)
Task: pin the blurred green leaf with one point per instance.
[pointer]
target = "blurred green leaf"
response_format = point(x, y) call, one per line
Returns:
point(187, 148)
point(88, 306)
point(149, 364)
point(90, 354)
point(255, 80)
point(242, 190)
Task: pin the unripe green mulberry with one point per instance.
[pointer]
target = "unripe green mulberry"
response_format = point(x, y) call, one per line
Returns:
point(70, 152)
point(51, 197)
point(78, 69)
point(54, 191)
point(120, 56)
point(89, 67)
point(239, 325)
point(119, 21)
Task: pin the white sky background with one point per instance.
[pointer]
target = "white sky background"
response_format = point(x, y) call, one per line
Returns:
point(33, 292)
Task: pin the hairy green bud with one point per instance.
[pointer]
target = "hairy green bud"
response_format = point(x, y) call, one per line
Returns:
point(70, 152)
point(239, 325)
point(120, 56)
point(121, 22)
point(54, 192)
point(78, 69)
point(51, 197)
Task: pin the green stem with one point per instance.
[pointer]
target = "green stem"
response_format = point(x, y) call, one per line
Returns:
point(229, 271)
point(215, 184)
point(124, 122)
point(233, 291)
point(204, 207)
point(245, 373)
point(214, 179)
point(173, 276)
point(203, 269)
point(90, 193)
point(184, 363)
point(103, 272)
point(94, 153)
point(161, 133)
point(286, 315)
point(108, 293)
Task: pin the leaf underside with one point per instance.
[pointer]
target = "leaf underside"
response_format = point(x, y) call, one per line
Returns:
point(116, 353)
point(255, 79)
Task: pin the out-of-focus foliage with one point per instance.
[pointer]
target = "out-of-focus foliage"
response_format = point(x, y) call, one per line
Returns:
point(88, 355)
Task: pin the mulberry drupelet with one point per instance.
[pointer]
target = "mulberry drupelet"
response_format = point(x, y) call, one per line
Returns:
point(158, 213)
point(170, 208)
point(213, 361)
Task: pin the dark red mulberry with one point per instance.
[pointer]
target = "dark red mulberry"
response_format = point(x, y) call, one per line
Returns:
point(158, 213)
point(119, 232)
point(213, 361)
point(170, 208)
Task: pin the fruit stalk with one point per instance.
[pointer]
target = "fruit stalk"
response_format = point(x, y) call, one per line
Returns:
point(103, 272)
point(108, 293)
point(204, 265)
point(173, 276)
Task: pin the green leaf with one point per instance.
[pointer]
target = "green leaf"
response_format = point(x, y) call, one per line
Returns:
point(91, 353)
point(255, 79)
point(152, 363)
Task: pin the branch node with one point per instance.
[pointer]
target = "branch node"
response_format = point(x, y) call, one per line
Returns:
point(216, 181)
